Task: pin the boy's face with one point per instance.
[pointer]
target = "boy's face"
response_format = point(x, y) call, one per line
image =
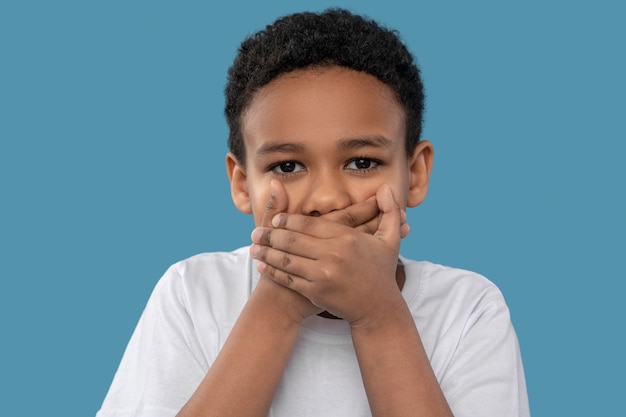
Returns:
point(331, 136)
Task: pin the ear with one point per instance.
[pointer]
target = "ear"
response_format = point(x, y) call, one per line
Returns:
point(238, 184)
point(420, 165)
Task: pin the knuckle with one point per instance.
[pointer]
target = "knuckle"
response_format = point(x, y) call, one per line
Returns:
point(349, 240)
point(262, 255)
point(325, 275)
point(283, 278)
point(285, 261)
point(281, 220)
point(270, 272)
point(350, 220)
point(271, 203)
point(336, 258)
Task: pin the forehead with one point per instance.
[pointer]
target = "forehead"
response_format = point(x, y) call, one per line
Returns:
point(323, 103)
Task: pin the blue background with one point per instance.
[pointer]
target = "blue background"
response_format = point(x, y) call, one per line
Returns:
point(112, 146)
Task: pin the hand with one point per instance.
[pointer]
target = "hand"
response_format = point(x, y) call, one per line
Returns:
point(364, 217)
point(291, 302)
point(347, 272)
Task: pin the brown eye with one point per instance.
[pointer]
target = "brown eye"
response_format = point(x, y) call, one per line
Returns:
point(362, 164)
point(287, 167)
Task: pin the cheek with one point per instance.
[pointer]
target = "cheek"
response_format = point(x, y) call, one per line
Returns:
point(362, 188)
point(398, 181)
point(400, 195)
point(296, 195)
point(361, 192)
point(400, 191)
point(259, 196)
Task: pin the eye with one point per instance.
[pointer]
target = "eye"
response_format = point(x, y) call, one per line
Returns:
point(287, 167)
point(362, 164)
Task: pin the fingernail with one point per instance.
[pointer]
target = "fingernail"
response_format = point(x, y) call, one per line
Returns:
point(272, 188)
point(254, 250)
point(276, 220)
point(256, 235)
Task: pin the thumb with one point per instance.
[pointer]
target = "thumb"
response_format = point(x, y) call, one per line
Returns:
point(277, 203)
point(390, 217)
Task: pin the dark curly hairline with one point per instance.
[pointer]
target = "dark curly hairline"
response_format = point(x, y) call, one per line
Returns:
point(334, 37)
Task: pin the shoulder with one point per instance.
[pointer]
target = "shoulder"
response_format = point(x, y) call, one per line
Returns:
point(211, 264)
point(437, 283)
point(208, 278)
point(453, 300)
point(467, 333)
point(208, 266)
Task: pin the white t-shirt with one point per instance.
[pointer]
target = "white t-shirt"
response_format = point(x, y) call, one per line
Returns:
point(462, 319)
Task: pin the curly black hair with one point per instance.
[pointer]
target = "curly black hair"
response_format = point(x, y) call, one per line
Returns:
point(333, 37)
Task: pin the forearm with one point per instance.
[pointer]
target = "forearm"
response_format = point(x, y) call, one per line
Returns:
point(247, 371)
point(396, 373)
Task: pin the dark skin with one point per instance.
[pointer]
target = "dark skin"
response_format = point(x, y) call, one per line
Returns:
point(320, 143)
point(364, 217)
point(269, 342)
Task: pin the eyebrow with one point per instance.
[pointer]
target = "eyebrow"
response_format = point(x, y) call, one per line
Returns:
point(364, 142)
point(343, 145)
point(287, 147)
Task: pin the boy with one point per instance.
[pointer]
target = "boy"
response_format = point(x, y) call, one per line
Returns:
point(321, 316)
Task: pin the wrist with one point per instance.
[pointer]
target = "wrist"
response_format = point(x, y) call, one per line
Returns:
point(278, 303)
point(384, 319)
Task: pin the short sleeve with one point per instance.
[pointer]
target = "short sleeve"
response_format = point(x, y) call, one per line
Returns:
point(485, 377)
point(163, 362)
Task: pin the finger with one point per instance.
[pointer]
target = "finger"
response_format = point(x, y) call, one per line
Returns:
point(405, 229)
point(276, 263)
point(370, 227)
point(291, 281)
point(356, 214)
point(317, 227)
point(287, 241)
point(278, 202)
point(390, 217)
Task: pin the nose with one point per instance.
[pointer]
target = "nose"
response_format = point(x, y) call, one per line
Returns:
point(326, 192)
